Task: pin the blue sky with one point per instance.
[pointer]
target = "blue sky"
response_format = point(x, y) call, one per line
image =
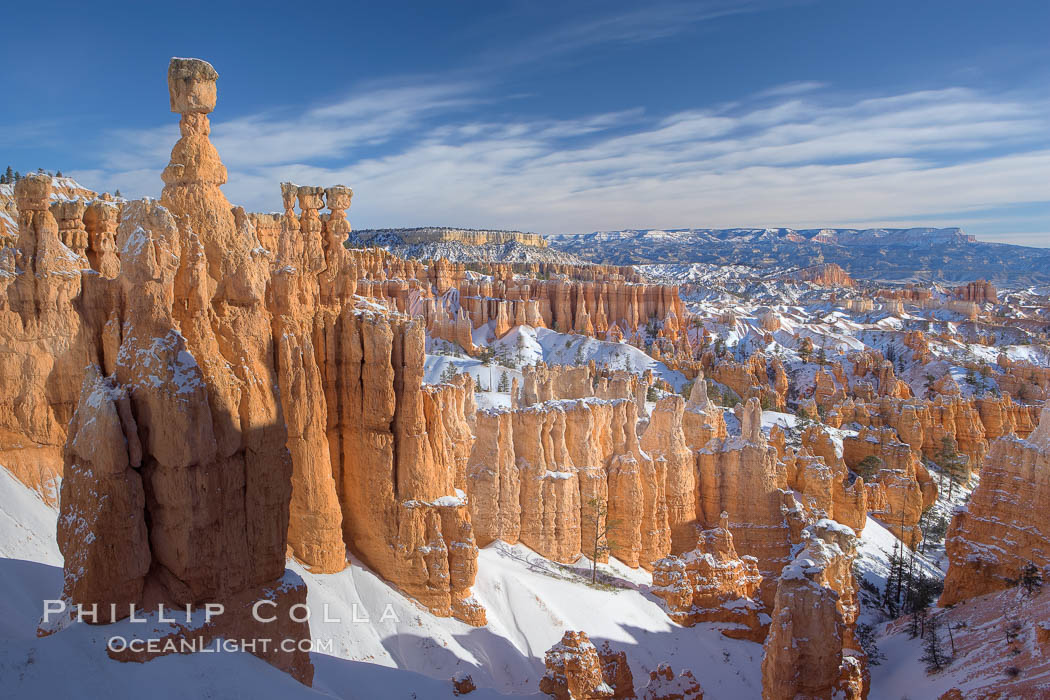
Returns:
point(563, 117)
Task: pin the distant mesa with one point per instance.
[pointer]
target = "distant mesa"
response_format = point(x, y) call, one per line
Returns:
point(890, 254)
point(470, 236)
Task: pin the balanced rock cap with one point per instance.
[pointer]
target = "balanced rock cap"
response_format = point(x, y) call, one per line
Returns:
point(191, 85)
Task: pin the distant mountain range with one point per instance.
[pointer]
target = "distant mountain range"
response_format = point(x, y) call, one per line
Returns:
point(899, 255)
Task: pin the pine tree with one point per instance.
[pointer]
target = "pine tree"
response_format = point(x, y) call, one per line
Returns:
point(865, 636)
point(117, 193)
point(933, 655)
point(890, 593)
point(58, 173)
point(504, 383)
point(598, 516)
point(917, 623)
point(448, 374)
point(1031, 578)
point(951, 462)
point(9, 175)
point(868, 467)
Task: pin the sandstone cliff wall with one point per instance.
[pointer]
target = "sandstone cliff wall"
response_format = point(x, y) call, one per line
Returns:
point(1004, 526)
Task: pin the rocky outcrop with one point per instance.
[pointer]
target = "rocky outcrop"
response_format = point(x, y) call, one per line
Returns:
point(188, 509)
point(664, 441)
point(102, 532)
point(393, 461)
point(821, 480)
point(185, 443)
point(567, 468)
point(825, 275)
point(980, 292)
point(49, 325)
point(576, 670)
point(905, 486)
point(754, 378)
point(664, 685)
point(1024, 380)
point(702, 420)
point(711, 583)
point(925, 423)
point(809, 651)
point(743, 477)
point(1001, 530)
point(100, 224)
point(315, 533)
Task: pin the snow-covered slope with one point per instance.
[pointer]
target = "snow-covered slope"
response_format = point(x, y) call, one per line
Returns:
point(385, 645)
point(525, 345)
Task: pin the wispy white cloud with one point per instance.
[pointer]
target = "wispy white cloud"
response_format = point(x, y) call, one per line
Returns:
point(419, 155)
point(650, 21)
point(797, 87)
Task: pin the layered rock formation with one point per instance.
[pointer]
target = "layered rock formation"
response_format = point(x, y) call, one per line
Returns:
point(1003, 527)
point(702, 421)
point(176, 465)
point(664, 685)
point(757, 377)
point(396, 453)
point(576, 670)
point(923, 424)
point(711, 583)
point(566, 469)
point(44, 345)
point(980, 292)
point(826, 275)
point(903, 486)
point(809, 651)
point(743, 477)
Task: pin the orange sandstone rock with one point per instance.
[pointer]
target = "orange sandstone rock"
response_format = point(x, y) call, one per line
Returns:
point(812, 619)
point(711, 583)
point(664, 685)
point(577, 670)
point(1003, 527)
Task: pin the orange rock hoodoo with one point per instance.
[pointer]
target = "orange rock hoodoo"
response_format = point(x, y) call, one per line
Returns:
point(755, 377)
point(810, 651)
point(545, 474)
point(980, 292)
point(1005, 525)
point(711, 583)
point(902, 489)
point(176, 464)
point(577, 670)
point(826, 275)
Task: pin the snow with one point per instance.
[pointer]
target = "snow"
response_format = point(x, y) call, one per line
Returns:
point(382, 640)
point(27, 524)
point(874, 551)
point(525, 345)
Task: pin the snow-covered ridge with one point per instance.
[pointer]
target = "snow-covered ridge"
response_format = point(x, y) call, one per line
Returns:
point(835, 236)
